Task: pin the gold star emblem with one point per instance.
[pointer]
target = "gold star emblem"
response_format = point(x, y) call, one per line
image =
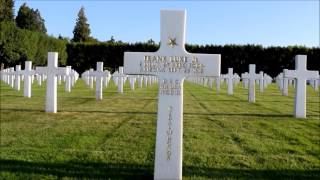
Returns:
point(172, 42)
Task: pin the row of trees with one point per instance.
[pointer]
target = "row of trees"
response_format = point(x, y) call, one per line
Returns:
point(18, 45)
point(24, 37)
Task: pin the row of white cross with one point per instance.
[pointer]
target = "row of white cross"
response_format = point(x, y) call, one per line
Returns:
point(51, 74)
point(13, 78)
point(102, 77)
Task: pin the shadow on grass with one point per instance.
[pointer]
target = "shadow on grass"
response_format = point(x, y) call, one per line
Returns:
point(244, 114)
point(22, 110)
point(93, 170)
point(79, 169)
point(154, 113)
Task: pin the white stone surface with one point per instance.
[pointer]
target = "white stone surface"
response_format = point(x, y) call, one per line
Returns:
point(171, 63)
point(301, 74)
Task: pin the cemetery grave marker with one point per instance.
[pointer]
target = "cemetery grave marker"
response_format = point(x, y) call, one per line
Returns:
point(171, 63)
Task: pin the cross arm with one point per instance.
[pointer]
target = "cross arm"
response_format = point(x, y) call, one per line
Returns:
point(63, 71)
point(290, 73)
point(185, 64)
point(313, 74)
point(41, 70)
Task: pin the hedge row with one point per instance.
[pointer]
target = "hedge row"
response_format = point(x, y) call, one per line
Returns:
point(271, 60)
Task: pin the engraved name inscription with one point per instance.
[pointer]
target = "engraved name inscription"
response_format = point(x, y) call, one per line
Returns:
point(169, 134)
point(171, 64)
point(169, 87)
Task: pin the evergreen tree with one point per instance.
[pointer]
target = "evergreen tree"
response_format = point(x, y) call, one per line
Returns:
point(6, 10)
point(30, 19)
point(81, 31)
point(151, 41)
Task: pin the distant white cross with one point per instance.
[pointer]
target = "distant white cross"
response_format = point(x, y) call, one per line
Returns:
point(229, 77)
point(68, 80)
point(11, 77)
point(251, 76)
point(261, 81)
point(28, 74)
point(120, 77)
point(17, 78)
point(99, 74)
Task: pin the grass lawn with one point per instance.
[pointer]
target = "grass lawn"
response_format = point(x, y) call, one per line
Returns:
point(225, 137)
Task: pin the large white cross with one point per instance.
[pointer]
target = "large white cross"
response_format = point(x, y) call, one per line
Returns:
point(52, 71)
point(171, 63)
point(252, 76)
point(301, 74)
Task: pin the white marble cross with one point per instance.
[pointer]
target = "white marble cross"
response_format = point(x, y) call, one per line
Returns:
point(52, 71)
point(107, 78)
point(67, 85)
point(39, 79)
point(17, 78)
point(218, 83)
point(229, 77)
point(99, 74)
point(252, 76)
point(245, 80)
point(140, 80)
point(28, 74)
point(261, 81)
point(301, 74)
point(171, 63)
point(132, 80)
point(90, 78)
point(285, 83)
point(120, 77)
point(11, 77)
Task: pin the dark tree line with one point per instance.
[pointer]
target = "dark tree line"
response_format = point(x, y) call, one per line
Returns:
point(271, 60)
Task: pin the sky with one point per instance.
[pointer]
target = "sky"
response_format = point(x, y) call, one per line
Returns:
point(267, 23)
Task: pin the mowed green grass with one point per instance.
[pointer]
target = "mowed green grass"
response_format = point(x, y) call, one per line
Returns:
point(225, 137)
